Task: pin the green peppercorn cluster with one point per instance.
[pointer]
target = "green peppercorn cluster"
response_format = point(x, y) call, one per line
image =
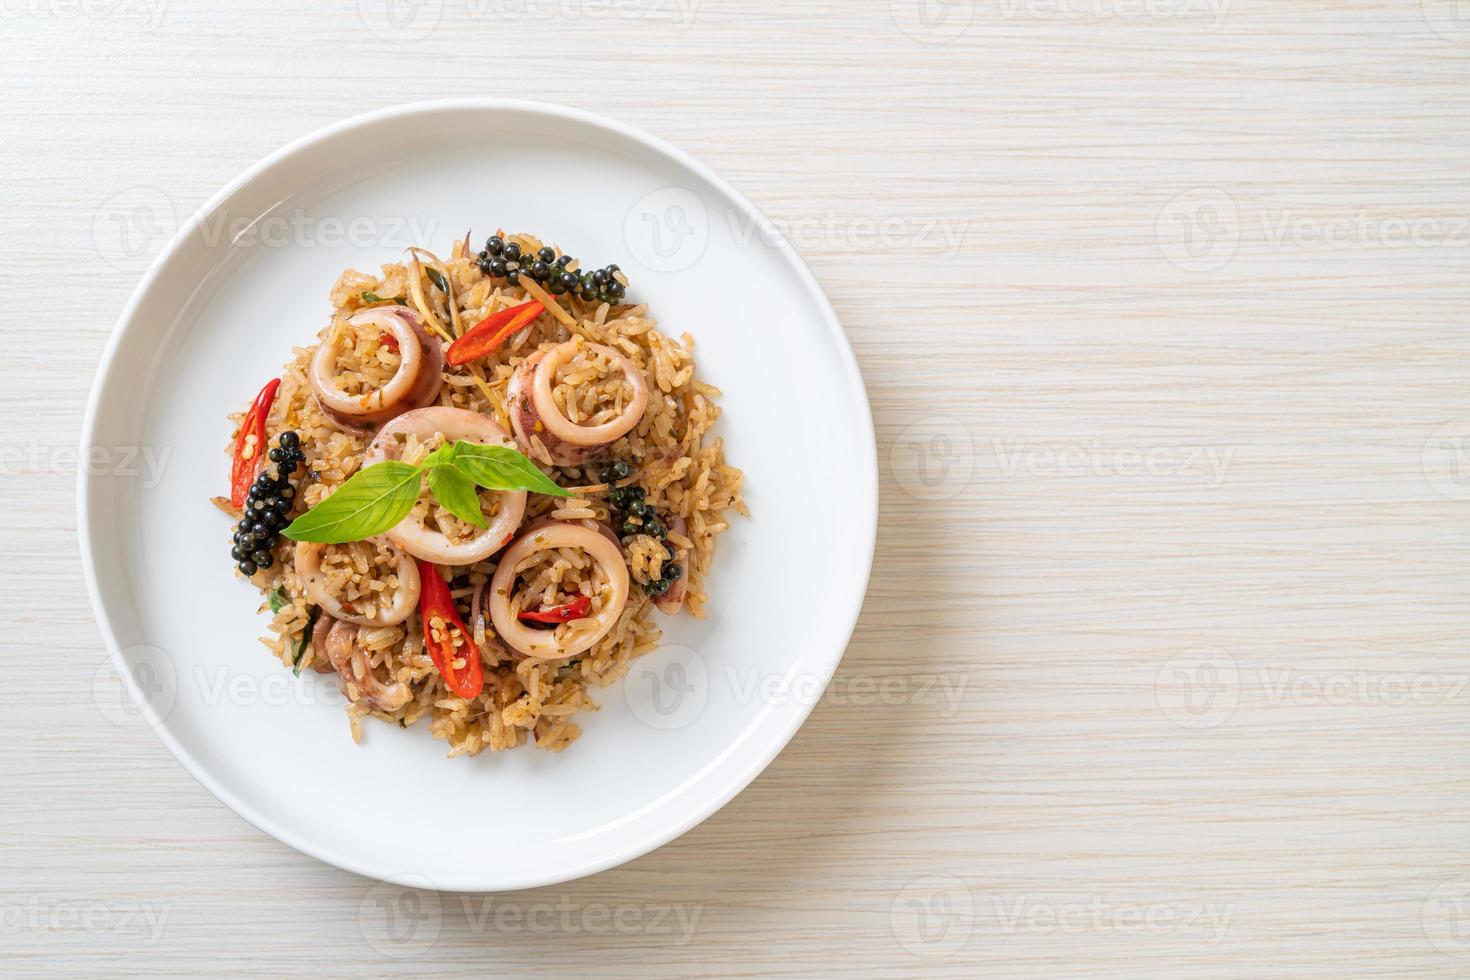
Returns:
point(639, 517)
point(500, 259)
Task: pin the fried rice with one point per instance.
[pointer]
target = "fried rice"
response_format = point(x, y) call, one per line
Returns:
point(680, 467)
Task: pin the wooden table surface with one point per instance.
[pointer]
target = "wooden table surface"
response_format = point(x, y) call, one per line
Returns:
point(1162, 307)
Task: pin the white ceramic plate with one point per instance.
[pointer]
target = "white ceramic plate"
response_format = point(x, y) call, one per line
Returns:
point(694, 722)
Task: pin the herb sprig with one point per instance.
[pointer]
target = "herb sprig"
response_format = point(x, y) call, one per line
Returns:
point(305, 641)
point(377, 497)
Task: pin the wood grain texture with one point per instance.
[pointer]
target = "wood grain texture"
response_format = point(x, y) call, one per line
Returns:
point(1162, 309)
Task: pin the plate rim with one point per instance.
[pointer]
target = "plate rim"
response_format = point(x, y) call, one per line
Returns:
point(867, 504)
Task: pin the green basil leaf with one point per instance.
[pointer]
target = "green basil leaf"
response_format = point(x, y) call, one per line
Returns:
point(305, 640)
point(371, 298)
point(502, 468)
point(278, 599)
point(374, 499)
point(437, 279)
point(439, 457)
point(457, 493)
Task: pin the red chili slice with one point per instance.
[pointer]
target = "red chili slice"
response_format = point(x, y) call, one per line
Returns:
point(578, 608)
point(484, 337)
point(250, 456)
point(435, 600)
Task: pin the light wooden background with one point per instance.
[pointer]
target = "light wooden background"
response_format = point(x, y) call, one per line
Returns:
point(1163, 666)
